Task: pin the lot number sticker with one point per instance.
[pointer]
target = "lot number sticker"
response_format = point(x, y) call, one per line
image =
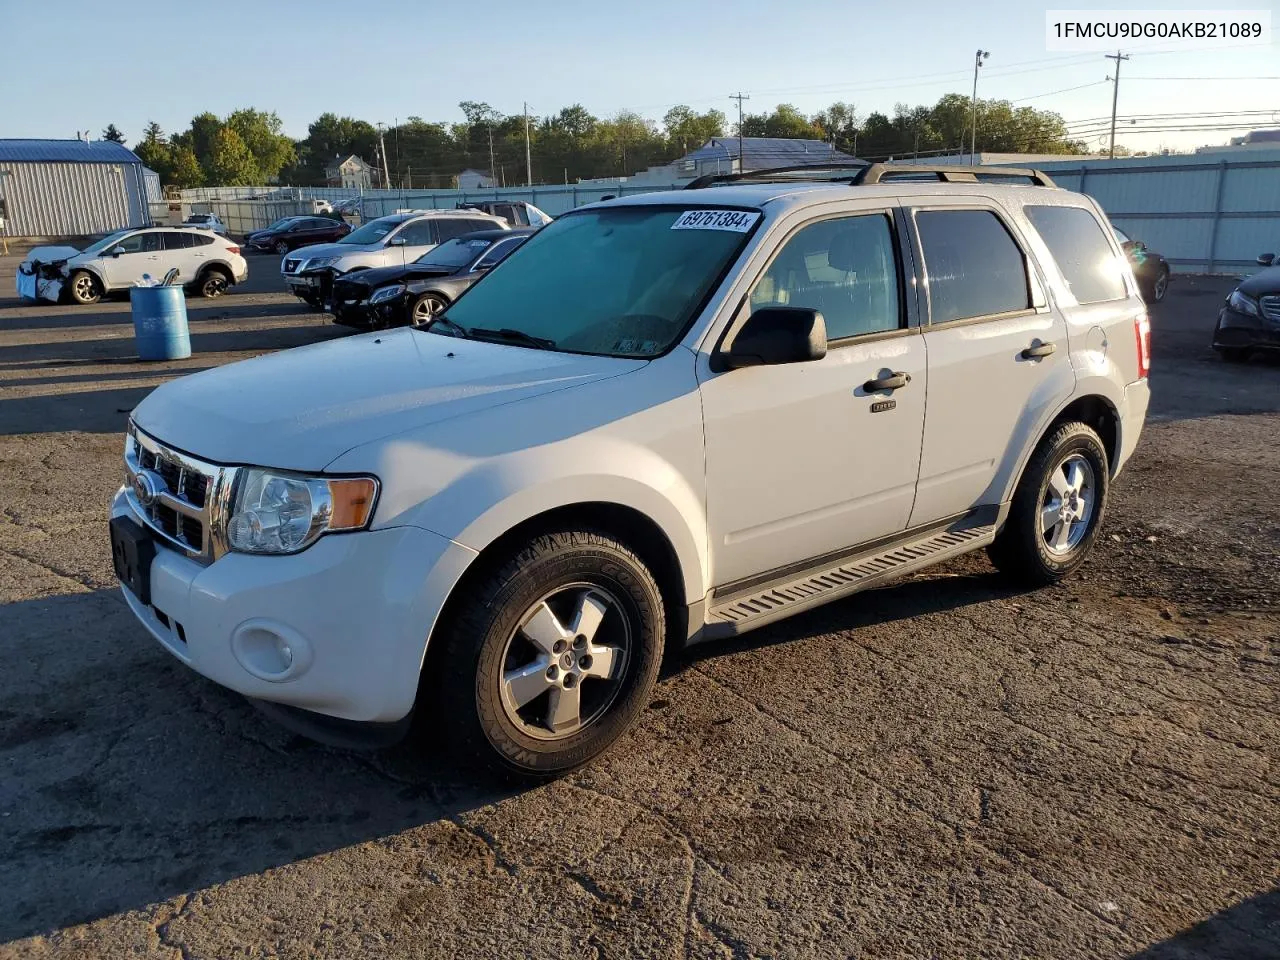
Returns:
point(739, 221)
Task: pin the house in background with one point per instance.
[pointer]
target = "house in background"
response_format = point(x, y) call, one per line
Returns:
point(470, 179)
point(352, 174)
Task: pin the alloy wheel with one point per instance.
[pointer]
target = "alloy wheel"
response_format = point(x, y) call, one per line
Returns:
point(562, 667)
point(1067, 508)
point(425, 309)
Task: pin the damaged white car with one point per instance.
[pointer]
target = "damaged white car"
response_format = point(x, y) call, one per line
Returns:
point(206, 263)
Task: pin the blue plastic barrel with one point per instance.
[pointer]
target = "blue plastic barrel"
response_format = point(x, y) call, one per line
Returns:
point(160, 323)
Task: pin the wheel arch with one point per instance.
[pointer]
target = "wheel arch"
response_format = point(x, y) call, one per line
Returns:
point(630, 525)
point(1092, 408)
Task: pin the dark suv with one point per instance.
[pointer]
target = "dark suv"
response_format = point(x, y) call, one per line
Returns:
point(293, 232)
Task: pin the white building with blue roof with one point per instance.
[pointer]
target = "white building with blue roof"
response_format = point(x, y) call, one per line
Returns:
point(73, 188)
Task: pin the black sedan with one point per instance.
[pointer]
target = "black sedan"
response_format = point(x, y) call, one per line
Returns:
point(1149, 268)
point(293, 232)
point(1250, 319)
point(413, 294)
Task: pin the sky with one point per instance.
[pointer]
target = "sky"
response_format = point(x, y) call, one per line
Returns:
point(387, 60)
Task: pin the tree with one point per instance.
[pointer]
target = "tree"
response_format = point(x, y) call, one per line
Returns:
point(185, 169)
point(231, 163)
point(154, 152)
point(688, 130)
point(785, 121)
point(111, 133)
point(260, 131)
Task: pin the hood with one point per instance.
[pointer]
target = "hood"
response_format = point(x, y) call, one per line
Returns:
point(300, 409)
point(1265, 281)
point(334, 249)
point(377, 276)
point(50, 254)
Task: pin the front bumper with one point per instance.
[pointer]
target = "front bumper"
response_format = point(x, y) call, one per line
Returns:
point(1242, 331)
point(355, 611)
point(311, 285)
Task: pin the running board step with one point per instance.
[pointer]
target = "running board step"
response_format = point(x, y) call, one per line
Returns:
point(739, 612)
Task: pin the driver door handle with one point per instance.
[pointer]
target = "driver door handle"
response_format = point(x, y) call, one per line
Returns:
point(895, 382)
point(1038, 350)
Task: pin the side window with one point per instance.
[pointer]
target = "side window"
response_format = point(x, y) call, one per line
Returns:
point(451, 227)
point(178, 240)
point(201, 240)
point(418, 234)
point(1077, 241)
point(134, 243)
point(846, 269)
point(975, 267)
point(499, 252)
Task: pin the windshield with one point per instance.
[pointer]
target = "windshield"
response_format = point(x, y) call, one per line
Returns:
point(107, 241)
point(621, 281)
point(283, 222)
point(371, 232)
point(1120, 235)
point(454, 253)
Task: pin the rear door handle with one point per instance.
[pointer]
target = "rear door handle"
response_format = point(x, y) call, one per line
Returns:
point(1038, 350)
point(895, 382)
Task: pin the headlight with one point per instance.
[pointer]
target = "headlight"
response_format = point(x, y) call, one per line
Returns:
point(1243, 303)
point(319, 262)
point(275, 512)
point(383, 294)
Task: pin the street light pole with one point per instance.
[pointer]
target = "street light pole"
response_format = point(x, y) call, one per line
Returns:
point(973, 136)
point(528, 155)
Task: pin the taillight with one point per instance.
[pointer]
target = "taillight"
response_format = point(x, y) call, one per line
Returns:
point(231, 249)
point(1142, 329)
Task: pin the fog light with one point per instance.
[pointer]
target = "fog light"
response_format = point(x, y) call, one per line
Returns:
point(270, 650)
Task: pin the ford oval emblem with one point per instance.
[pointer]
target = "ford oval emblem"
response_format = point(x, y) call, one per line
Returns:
point(148, 487)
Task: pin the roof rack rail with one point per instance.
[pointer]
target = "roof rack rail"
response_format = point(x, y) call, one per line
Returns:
point(882, 172)
point(866, 174)
point(774, 173)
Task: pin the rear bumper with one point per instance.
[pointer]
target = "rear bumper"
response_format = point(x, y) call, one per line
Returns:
point(1235, 331)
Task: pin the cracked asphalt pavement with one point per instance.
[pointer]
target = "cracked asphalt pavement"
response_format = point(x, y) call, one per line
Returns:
point(944, 767)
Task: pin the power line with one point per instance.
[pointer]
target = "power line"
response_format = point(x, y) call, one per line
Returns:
point(1054, 93)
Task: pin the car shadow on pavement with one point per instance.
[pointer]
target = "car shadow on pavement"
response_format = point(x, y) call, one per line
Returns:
point(129, 779)
point(1249, 930)
point(198, 310)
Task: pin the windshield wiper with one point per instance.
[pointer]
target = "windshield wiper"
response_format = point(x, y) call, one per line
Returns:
point(440, 320)
point(515, 336)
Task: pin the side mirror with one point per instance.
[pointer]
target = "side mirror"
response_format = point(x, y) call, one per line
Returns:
point(1266, 259)
point(775, 335)
point(114, 252)
point(397, 242)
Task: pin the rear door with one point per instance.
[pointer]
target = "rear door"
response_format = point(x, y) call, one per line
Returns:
point(179, 252)
point(998, 354)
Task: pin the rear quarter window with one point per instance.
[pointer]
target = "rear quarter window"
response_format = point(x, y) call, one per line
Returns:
point(1079, 244)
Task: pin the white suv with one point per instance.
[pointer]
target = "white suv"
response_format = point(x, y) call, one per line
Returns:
point(206, 263)
point(669, 417)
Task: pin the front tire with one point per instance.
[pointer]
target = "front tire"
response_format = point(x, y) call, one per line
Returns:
point(425, 309)
point(549, 657)
point(1057, 509)
point(84, 287)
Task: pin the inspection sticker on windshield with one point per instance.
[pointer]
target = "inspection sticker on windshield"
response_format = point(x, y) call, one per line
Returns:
point(739, 221)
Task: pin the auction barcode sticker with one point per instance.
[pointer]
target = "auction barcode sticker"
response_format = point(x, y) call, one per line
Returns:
point(739, 221)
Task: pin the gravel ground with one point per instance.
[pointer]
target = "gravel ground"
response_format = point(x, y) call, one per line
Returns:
point(939, 768)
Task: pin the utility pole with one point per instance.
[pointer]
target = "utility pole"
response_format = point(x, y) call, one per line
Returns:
point(528, 155)
point(740, 96)
point(382, 144)
point(493, 174)
point(1115, 96)
point(973, 137)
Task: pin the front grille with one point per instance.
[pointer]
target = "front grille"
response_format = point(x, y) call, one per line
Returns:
point(291, 265)
point(179, 496)
point(1271, 308)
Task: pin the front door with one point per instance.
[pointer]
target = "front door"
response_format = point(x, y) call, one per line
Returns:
point(140, 254)
point(998, 358)
point(808, 459)
point(412, 241)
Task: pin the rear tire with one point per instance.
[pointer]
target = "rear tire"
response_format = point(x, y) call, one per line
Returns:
point(83, 288)
point(281, 247)
point(1159, 286)
point(548, 657)
point(1234, 354)
point(213, 283)
point(1057, 509)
